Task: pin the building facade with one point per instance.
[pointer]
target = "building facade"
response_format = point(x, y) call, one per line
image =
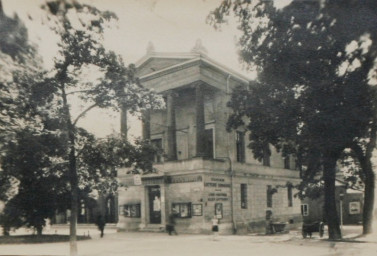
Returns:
point(205, 171)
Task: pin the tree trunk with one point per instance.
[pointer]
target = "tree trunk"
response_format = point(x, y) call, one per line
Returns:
point(73, 178)
point(331, 213)
point(74, 201)
point(39, 230)
point(368, 198)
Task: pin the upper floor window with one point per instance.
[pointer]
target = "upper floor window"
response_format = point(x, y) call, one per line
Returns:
point(287, 162)
point(157, 158)
point(208, 144)
point(240, 146)
point(266, 155)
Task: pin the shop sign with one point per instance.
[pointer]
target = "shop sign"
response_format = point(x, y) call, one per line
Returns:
point(184, 179)
point(354, 207)
point(137, 179)
point(218, 189)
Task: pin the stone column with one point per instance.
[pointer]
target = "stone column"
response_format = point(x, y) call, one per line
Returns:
point(143, 207)
point(200, 122)
point(123, 122)
point(146, 129)
point(171, 128)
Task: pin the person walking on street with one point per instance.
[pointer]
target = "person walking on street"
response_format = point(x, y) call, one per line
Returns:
point(170, 227)
point(100, 222)
point(215, 227)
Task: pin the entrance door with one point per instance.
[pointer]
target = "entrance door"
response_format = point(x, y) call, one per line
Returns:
point(154, 196)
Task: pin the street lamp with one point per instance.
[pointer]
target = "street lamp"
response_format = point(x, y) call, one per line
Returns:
point(341, 196)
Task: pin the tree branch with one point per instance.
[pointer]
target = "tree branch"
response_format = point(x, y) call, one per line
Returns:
point(83, 113)
point(80, 91)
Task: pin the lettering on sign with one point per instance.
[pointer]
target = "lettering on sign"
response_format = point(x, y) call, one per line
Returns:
point(184, 179)
point(218, 189)
point(152, 181)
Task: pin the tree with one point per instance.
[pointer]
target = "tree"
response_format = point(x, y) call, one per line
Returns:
point(19, 70)
point(81, 50)
point(304, 102)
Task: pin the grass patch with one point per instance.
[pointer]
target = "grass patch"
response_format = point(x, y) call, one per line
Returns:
point(34, 239)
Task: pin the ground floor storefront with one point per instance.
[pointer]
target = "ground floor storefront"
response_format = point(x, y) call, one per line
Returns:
point(243, 201)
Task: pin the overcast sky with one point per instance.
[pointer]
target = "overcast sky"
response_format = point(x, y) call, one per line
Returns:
point(171, 25)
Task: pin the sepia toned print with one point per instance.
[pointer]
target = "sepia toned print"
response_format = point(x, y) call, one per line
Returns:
point(240, 127)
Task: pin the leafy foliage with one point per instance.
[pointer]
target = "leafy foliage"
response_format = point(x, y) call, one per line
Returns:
point(313, 97)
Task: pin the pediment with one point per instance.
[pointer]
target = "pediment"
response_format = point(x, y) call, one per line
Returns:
point(154, 64)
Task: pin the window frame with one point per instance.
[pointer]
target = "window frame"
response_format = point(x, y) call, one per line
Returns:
point(158, 157)
point(269, 196)
point(131, 210)
point(303, 212)
point(243, 194)
point(240, 147)
point(178, 213)
point(290, 196)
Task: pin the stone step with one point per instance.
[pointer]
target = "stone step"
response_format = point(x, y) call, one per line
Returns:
point(153, 228)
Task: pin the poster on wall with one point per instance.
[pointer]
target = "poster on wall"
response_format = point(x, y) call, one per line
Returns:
point(354, 207)
point(197, 210)
point(219, 210)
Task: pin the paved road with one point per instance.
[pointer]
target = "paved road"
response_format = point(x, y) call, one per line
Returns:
point(158, 244)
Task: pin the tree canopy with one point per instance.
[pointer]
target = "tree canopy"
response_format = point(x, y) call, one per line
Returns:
point(313, 97)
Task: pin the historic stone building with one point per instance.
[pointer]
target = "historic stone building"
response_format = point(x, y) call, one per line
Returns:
point(205, 170)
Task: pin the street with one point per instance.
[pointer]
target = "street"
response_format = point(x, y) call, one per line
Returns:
point(157, 244)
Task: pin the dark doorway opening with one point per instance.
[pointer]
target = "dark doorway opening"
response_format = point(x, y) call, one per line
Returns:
point(154, 196)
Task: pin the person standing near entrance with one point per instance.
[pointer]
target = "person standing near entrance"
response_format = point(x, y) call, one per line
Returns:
point(215, 227)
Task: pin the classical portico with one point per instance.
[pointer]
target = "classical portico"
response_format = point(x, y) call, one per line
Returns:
point(199, 175)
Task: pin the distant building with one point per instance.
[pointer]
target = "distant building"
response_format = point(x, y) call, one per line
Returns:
point(349, 205)
point(205, 171)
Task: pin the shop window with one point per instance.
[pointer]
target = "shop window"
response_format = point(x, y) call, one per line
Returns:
point(243, 196)
point(131, 210)
point(304, 210)
point(290, 196)
point(240, 146)
point(157, 143)
point(182, 210)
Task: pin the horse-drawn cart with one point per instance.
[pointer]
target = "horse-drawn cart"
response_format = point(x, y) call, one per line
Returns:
point(309, 228)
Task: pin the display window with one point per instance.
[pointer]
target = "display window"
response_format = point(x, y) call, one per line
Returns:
point(182, 210)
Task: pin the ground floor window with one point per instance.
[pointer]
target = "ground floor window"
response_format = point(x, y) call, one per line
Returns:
point(304, 210)
point(182, 210)
point(243, 196)
point(131, 210)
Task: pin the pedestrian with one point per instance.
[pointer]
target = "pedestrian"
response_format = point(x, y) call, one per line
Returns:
point(215, 227)
point(170, 227)
point(100, 222)
point(269, 223)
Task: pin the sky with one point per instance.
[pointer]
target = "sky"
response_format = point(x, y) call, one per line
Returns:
point(171, 26)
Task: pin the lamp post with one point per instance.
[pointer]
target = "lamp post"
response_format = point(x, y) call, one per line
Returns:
point(341, 196)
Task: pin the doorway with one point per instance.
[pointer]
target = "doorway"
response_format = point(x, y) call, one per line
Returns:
point(154, 196)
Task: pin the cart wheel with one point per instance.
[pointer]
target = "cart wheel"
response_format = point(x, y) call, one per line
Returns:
point(321, 229)
point(304, 234)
